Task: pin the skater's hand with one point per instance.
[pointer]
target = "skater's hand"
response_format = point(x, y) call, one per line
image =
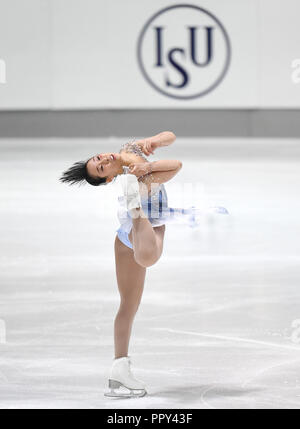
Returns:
point(148, 147)
point(139, 169)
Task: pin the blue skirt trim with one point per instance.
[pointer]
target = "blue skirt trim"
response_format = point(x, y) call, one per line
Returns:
point(123, 236)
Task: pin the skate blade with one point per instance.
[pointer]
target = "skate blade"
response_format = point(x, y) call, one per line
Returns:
point(128, 395)
point(117, 390)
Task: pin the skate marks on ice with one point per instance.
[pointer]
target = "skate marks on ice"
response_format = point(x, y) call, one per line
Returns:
point(265, 393)
point(269, 379)
point(230, 338)
point(240, 276)
point(195, 396)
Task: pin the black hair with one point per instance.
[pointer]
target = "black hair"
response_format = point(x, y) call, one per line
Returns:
point(78, 174)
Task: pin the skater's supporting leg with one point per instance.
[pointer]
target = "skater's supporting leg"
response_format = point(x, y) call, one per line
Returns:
point(130, 278)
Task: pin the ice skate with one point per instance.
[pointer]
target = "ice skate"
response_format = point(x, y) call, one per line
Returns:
point(131, 190)
point(122, 383)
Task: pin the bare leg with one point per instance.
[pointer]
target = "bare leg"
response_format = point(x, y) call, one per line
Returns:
point(147, 241)
point(130, 278)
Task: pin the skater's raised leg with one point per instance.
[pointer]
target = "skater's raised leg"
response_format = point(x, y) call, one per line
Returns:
point(147, 241)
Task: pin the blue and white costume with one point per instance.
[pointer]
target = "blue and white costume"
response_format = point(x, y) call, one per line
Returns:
point(155, 207)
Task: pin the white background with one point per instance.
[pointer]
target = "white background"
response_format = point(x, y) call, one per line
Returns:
point(81, 54)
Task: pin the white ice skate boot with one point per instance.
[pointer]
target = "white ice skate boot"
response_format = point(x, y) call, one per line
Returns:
point(131, 190)
point(122, 383)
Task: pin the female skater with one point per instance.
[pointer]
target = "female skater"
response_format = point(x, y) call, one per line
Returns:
point(139, 241)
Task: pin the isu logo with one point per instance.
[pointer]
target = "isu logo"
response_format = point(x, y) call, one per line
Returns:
point(184, 51)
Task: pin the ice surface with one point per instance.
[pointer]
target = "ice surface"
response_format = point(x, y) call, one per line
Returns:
point(219, 322)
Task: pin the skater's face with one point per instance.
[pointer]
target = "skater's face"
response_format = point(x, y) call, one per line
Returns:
point(104, 165)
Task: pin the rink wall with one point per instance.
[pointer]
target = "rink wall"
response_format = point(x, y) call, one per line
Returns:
point(158, 54)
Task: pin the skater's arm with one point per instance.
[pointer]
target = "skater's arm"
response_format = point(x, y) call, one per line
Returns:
point(156, 172)
point(150, 144)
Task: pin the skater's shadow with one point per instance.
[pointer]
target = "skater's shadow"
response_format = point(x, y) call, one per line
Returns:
point(203, 394)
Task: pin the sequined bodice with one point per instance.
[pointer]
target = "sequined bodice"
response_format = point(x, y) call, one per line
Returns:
point(132, 147)
point(153, 204)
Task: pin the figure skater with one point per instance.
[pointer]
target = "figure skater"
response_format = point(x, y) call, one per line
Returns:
point(143, 215)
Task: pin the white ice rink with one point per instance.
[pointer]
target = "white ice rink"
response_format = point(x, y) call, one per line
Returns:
point(219, 323)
